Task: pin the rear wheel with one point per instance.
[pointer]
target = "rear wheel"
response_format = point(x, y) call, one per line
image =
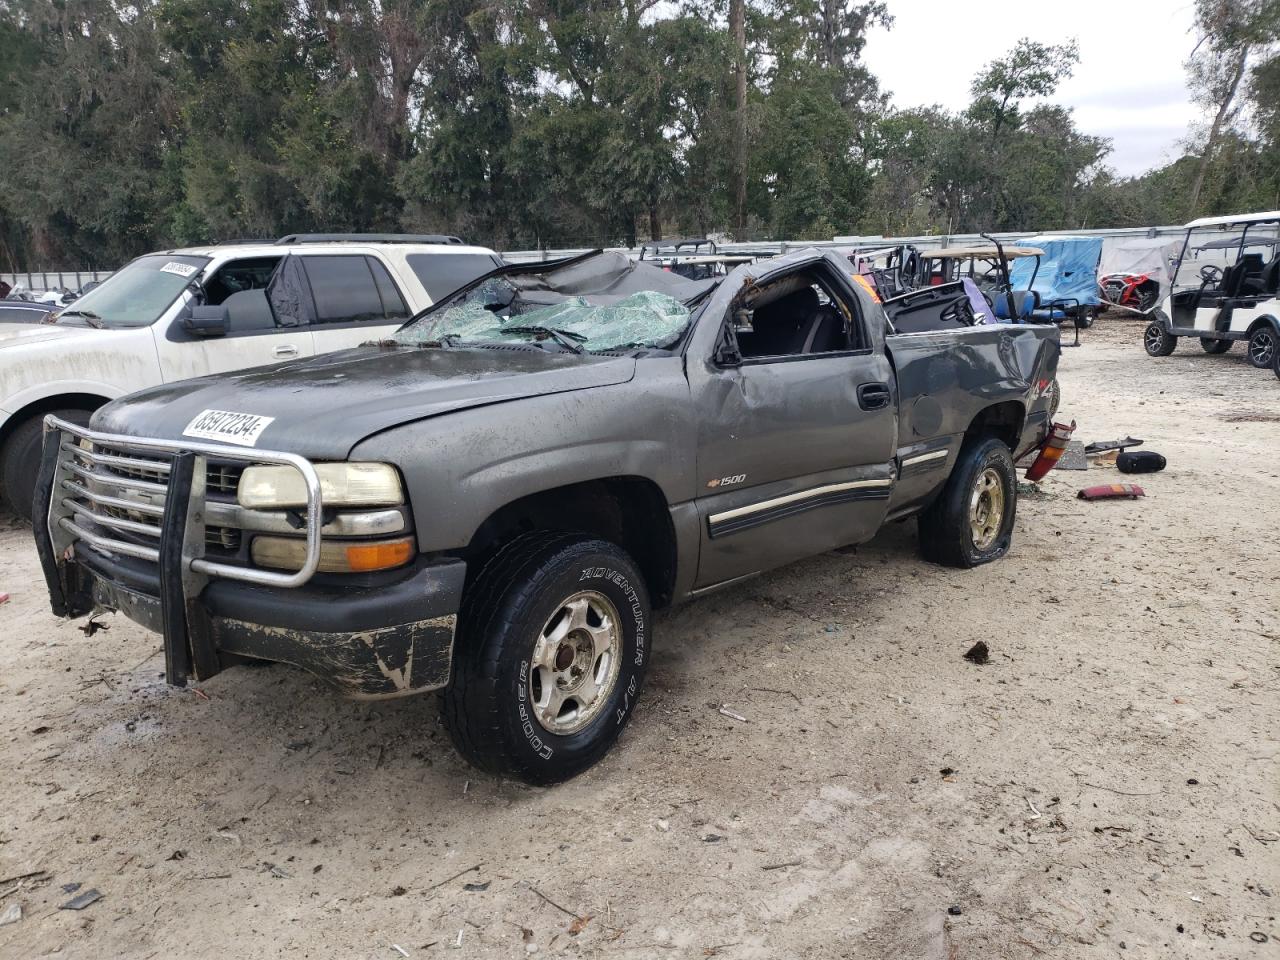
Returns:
point(971, 522)
point(551, 655)
point(1262, 346)
point(1213, 345)
point(1158, 341)
point(1086, 316)
point(20, 459)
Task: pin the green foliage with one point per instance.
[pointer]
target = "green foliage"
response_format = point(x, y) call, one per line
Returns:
point(519, 123)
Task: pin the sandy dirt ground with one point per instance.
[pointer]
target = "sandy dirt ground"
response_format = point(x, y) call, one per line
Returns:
point(1107, 786)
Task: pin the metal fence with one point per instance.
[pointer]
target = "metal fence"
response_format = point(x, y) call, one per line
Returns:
point(39, 281)
point(74, 279)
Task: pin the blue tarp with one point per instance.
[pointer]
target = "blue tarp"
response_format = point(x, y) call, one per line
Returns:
point(1068, 270)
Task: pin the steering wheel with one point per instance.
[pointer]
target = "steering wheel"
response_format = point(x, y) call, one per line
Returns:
point(958, 311)
point(1210, 273)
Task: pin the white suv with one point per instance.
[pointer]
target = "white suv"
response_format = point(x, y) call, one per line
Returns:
point(186, 313)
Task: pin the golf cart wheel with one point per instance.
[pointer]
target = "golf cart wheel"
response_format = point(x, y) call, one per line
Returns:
point(1086, 316)
point(1214, 345)
point(1262, 346)
point(971, 522)
point(553, 641)
point(1159, 341)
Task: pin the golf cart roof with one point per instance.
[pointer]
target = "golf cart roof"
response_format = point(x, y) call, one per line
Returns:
point(1272, 216)
point(1226, 243)
point(964, 253)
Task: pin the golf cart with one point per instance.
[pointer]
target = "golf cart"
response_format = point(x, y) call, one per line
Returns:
point(1066, 281)
point(1226, 287)
point(987, 267)
point(682, 257)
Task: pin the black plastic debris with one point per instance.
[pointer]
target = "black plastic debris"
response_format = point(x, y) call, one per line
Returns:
point(954, 910)
point(978, 653)
point(476, 887)
point(82, 901)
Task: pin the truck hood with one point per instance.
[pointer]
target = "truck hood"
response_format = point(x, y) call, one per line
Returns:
point(323, 406)
point(19, 334)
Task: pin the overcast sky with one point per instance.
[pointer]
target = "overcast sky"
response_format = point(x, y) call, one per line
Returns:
point(1129, 86)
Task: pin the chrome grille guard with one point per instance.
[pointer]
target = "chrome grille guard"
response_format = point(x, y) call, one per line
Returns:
point(151, 509)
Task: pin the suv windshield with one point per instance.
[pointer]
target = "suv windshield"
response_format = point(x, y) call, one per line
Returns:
point(491, 313)
point(136, 295)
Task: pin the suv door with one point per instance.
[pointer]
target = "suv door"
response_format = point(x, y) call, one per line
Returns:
point(796, 443)
point(355, 300)
point(257, 334)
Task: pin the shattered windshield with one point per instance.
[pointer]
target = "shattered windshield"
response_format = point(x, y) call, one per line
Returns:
point(492, 313)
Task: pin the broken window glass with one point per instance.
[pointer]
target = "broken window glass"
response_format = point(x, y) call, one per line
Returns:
point(643, 319)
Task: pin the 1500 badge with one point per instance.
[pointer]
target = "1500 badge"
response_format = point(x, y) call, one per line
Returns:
point(726, 481)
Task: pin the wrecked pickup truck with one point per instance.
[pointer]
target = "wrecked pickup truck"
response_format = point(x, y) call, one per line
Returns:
point(492, 502)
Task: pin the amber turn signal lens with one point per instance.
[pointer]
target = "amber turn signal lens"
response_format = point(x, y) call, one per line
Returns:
point(362, 557)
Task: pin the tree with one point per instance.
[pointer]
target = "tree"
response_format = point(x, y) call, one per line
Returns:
point(1030, 69)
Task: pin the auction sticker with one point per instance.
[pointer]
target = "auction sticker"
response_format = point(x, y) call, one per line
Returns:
point(181, 269)
point(227, 426)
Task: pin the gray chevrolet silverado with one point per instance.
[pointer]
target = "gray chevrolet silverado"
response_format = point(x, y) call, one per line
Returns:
point(493, 501)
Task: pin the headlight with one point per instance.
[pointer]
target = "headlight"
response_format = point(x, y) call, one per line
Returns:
point(341, 485)
point(336, 556)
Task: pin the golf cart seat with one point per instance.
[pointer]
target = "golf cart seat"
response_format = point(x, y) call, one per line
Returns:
point(1016, 305)
point(1250, 276)
point(1271, 277)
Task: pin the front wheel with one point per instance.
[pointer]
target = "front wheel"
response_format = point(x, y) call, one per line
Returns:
point(971, 522)
point(551, 654)
point(1158, 341)
point(20, 459)
point(1262, 347)
point(1213, 345)
point(1086, 317)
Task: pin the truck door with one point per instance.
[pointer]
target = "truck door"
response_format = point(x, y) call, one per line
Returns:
point(796, 442)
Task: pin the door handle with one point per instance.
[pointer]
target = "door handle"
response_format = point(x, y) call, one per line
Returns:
point(286, 350)
point(874, 396)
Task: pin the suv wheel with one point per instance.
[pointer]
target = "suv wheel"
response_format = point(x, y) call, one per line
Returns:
point(20, 459)
point(1262, 346)
point(1214, 345)
point(971, 522)
point(551, 654)
point(1159, 341)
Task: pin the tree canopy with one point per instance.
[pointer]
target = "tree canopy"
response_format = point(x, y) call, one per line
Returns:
point(552, 123)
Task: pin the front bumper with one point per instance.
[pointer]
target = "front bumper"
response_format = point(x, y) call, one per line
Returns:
point(372, 635)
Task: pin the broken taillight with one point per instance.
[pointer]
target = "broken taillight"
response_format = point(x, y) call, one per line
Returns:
point(1051, 450)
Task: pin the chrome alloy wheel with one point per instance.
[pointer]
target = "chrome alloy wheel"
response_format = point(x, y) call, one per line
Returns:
point(986, 509)
point(1154, 338)
point(575, 663)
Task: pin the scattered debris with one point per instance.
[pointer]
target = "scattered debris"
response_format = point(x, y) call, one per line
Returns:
point(12, 914)
point(4, 598)
point(781, 866)
point(39, 730)
point(978, 653)
point(725, 711)
point(1143, 461)
point(477, 887)
point(577, 926)
point(296, 745)
point(399, 949)
point(1101, 446)
point(1035, 814)
point(663, 825)
point(228, 835)
point(455, 876)
point(542, 896)
point(1112, 491)
point(177, 855)
point(278, 872)
point(947, 771)
point(712, 838)
point(92, 626)
point(82, 901)
point(70, 887)
point(1258, 937)
point(1192, 782)
point(954, 910)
